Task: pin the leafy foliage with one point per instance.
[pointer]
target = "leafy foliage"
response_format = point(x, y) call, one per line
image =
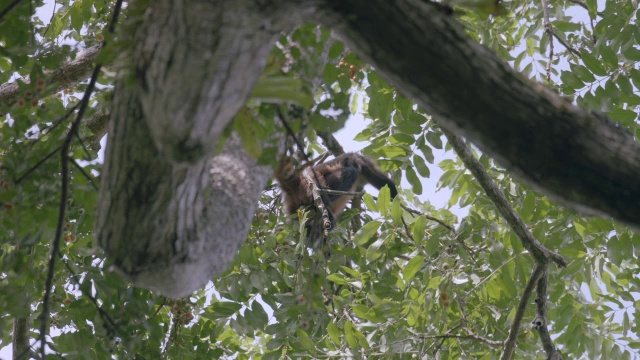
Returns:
point(401, 284)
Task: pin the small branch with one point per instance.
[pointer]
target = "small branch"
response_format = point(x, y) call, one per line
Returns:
point(406, 230)
point(84, 173)
point(42, 161)
point(541, 254)
point(416, 212)
point(341, 193)
point(492, 343)
point(510, 344)
point(447, 335)
point(540, 322)
point(567, 46)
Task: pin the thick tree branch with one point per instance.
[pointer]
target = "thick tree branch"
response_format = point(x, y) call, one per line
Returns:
point(69, 74)
point(578, 158)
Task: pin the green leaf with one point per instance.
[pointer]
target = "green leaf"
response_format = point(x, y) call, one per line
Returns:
point(402, 139)
point(257, 312)
point(593, 64)
point(243, 124)
point(419, 227)
point(434, 139)
point(76, 17)
point(336, 49)
point(281, 89)
point(368, 200)
point(624, 116)
point(583, 73)
point(274, 355)
point(413, 266)
point(220, 310)
point(348, 333)
point(334, 333)
point(615, 251)
point(427, 153)
point(421, 166)
point(392, 151)
point(413, 179)
point(528, 205)
point(338, 279)
point(305, 340)
point(632, 54)
point(366, 232)
point(592, 6)
point(625, 85)
point(384, 198)
point(571, 80)
point(396, 211)
point(609, 56)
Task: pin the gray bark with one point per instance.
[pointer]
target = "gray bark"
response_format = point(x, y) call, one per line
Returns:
point(171, 214)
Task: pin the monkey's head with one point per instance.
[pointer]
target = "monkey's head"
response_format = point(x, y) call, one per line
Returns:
point(287, 169)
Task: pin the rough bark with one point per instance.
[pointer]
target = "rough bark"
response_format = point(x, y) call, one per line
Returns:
point(578, 158)
point(172, 215)
point(196, 63)
point(66, 76)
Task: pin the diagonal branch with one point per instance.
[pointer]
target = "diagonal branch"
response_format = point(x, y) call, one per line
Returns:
point(510, 344)
point(540, 253)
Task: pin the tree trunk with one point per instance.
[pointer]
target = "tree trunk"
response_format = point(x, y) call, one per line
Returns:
point(171, 216)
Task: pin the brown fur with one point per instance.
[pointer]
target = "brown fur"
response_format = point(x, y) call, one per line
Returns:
point(345, 173)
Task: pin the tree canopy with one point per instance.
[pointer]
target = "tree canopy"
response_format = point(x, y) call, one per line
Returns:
point(197, 99)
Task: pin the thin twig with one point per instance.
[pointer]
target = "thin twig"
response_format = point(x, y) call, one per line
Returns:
point(416, 212)
point(342, 193)
point(567, 46)
point(54, 124)
point(447, 335)
point(73, 161)
point(53, 14)
point(406, 230)
point(42, 161)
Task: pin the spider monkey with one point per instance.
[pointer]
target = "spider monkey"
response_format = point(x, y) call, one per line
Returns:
point(344, 173)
